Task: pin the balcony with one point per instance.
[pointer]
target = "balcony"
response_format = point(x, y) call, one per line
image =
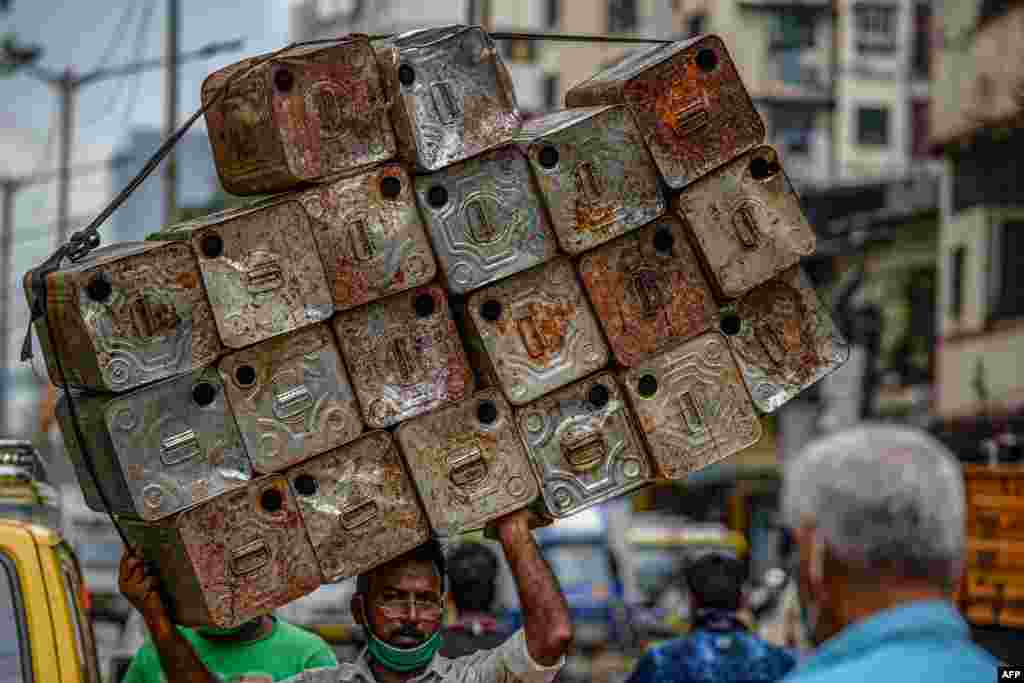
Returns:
point(794, 75)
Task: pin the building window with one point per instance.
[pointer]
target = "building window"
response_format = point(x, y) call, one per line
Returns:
point(554, 12)
point(696, 23)
point(956, 282)
point(793, 129)
point(622, 16)
point(920, 60)
point(334, 9)
point(1008, 253)
point(551, 92)
point(873, 126)
point(920, 127)
point(875, 28)
point(792, 30)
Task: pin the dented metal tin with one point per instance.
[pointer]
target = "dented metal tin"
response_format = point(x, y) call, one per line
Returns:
point(261, 268)
point(594, 173)
point(583, 445)
point(468, 463)
point(688, 101)
point(127, 315)
point(692, 406)
point(370, 235)
point(159, 449)
point(404, 355)
point(748, 222)
point(359, 506)
point(538, 331)
point(648, 291)
point(485, 219)
point(301, 116)
point(291, 397)
point(783, 339)
point(452, 97)
point(233, 558)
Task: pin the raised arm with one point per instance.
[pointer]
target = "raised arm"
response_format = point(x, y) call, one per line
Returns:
point(178, 660)
point(546, 620)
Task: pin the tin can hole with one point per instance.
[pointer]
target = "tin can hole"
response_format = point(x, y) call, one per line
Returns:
point(271, 500)
point(390, 187)
point(486, 412)
point(99, 288)
point(548, 157)
point(212, 246)
point(246, 375)
point(664, 240)
point(764, 169)
point(204, 393)
point(490, 310)
point(284, 80)
point(598, 396)
point(730, 325)
point(424, 305)
point(707, 59)
point(406, 75)
point(306, 485)
point(647, 386)
point(437, 196)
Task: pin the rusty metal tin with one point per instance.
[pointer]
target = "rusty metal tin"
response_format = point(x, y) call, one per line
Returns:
point(261, 268)
point(233, 558)
point(748, 222)
point(688, 101)
point(298, 117)
point(452, 97)
point(485, 219)
point(162, 448)
point(594, 173)
point(291, 398)
point(783, 339)
point(468, 463)
point(404, 355)
point(370, 235)
point(648, 291)
point(127, 315)
point(359, 506)
point(692, 406)
point(583, 444)
point(538, 331)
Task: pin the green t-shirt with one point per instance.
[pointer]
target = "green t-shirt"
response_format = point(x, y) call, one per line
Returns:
point(278, 656)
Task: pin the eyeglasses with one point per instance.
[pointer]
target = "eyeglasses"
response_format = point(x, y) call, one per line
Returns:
point(398, 607)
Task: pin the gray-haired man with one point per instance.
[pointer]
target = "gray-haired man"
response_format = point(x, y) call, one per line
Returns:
point(878, 512)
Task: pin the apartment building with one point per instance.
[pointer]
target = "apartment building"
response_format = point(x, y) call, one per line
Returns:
point(978, 125)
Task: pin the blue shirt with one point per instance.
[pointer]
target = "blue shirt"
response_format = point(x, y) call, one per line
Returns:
point(921, 641)
point(719, 649)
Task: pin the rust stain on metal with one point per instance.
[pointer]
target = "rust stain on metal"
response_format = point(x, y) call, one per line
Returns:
point(299, 117)
point(370, 235)
point(404, 355)
point(689, 102)
point(748, 222)
point(468, 463)
point(128, 315)
point(692, 406)
point(359, 506)
point(648, 291)
point(583, 445)
point(291, 397)
point(537, 331)
point(784, 340)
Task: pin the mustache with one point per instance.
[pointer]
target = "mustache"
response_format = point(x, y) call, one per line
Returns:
point(408, 631)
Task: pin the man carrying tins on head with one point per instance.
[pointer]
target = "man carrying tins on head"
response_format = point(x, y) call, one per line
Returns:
point(401, 606)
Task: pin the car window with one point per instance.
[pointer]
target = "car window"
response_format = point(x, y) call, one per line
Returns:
point(15, 662)
point(84, 641)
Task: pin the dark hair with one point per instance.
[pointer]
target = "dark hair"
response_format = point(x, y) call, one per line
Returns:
point(473, 574)
point(427, 552)
point(716, 581)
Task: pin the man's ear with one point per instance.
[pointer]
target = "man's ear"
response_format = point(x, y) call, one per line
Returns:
point(812, 558)
point(357, 604)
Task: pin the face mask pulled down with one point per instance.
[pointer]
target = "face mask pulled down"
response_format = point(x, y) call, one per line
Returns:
point(401, 659)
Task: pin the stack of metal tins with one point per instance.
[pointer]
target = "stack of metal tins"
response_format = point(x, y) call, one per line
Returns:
point(445, 316)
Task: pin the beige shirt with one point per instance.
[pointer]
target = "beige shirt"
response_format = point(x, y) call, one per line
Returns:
point(510, 662)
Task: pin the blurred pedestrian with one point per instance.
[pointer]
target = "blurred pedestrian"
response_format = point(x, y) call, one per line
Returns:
point(473, 582)
point(262, 649)
point(878, 513)
point(719, 647)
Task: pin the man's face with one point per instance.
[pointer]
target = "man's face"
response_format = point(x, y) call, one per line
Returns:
point(404, 605)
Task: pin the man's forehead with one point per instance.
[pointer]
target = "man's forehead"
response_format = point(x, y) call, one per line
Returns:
point(411, 575)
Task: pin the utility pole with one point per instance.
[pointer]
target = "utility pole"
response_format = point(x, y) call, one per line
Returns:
point(8, 186)
point(171, 119)
point(66, 86)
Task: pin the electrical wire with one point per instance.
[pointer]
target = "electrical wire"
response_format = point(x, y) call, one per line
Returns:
point(117, 38)
point(128, 115)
